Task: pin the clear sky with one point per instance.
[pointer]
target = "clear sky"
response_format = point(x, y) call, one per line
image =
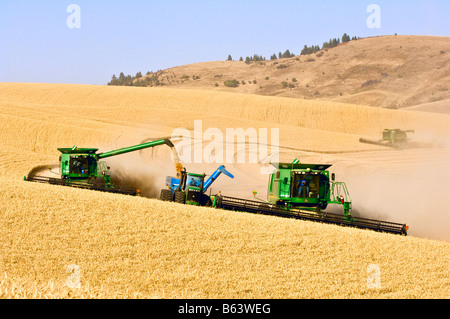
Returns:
point(37, 44)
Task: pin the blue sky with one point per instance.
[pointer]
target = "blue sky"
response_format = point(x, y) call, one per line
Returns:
point(36, 44)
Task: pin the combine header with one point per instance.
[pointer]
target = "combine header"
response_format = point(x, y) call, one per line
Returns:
point(83, 168)
point(394, 138)
point(304, 191)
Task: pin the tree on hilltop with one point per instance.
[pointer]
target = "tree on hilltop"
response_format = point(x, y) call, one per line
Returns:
point(114, 80)
point(346, 38)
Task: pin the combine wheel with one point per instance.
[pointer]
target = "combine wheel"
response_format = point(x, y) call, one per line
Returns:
point(166, 195)
point(180, 197)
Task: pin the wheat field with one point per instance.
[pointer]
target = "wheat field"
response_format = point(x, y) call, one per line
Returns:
point(137, 247)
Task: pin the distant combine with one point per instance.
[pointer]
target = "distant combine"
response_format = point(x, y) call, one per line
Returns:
point(394, 138)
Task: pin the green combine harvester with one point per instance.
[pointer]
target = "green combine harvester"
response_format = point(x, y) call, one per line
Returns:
point(304, 191)
point(394, 138)
point(83, 168)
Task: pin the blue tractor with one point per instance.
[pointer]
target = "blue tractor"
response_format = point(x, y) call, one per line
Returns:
point(190, 188)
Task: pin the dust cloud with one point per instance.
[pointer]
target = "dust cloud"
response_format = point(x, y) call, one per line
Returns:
point(428, 140)
point(414, 194)
point(141, 172)
point(43, 170)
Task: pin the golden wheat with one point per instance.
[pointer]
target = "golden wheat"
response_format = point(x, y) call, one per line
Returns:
point(133, 247)
point(126, 246)
point(115, 116)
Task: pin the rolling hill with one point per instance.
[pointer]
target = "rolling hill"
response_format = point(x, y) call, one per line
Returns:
point(387, 71)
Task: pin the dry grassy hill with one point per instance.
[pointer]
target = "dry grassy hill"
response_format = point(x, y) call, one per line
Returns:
point(435, 107)
point(387, 71)
point(140, 247)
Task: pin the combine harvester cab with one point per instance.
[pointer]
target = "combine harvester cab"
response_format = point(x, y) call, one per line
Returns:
point(309, 187)
point(304, 191)
point(83, 168)
point(190, 188)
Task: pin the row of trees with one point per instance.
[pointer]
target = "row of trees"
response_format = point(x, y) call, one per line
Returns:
point(330, 44)
point(137, 80)
point(129, 80)
point(310, 50)
point(124, 80)
point(257, 57)
point(306, 50)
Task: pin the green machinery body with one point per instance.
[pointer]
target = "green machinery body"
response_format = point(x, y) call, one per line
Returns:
point(84, 168)
point(192, 190)
point(307, 186)
point(394, 138)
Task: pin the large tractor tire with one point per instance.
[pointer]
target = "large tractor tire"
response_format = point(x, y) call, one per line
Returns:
point(166, 195)
point(180, 197)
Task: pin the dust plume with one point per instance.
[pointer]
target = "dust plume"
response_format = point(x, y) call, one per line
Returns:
point(415, 195)
point(138, 171)
point(428, 140)
point(41, 170)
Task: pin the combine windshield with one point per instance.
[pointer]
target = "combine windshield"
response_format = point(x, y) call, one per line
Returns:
point(79, 165)
point(306, 185)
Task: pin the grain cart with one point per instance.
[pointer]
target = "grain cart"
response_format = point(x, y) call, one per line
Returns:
point(84, 168)
point(304, 191)
point(394, 138)
point(190, 188)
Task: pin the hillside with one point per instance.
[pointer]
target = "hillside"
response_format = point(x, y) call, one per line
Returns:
point(388, 71)
point(140, 247)
point(435, 107)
